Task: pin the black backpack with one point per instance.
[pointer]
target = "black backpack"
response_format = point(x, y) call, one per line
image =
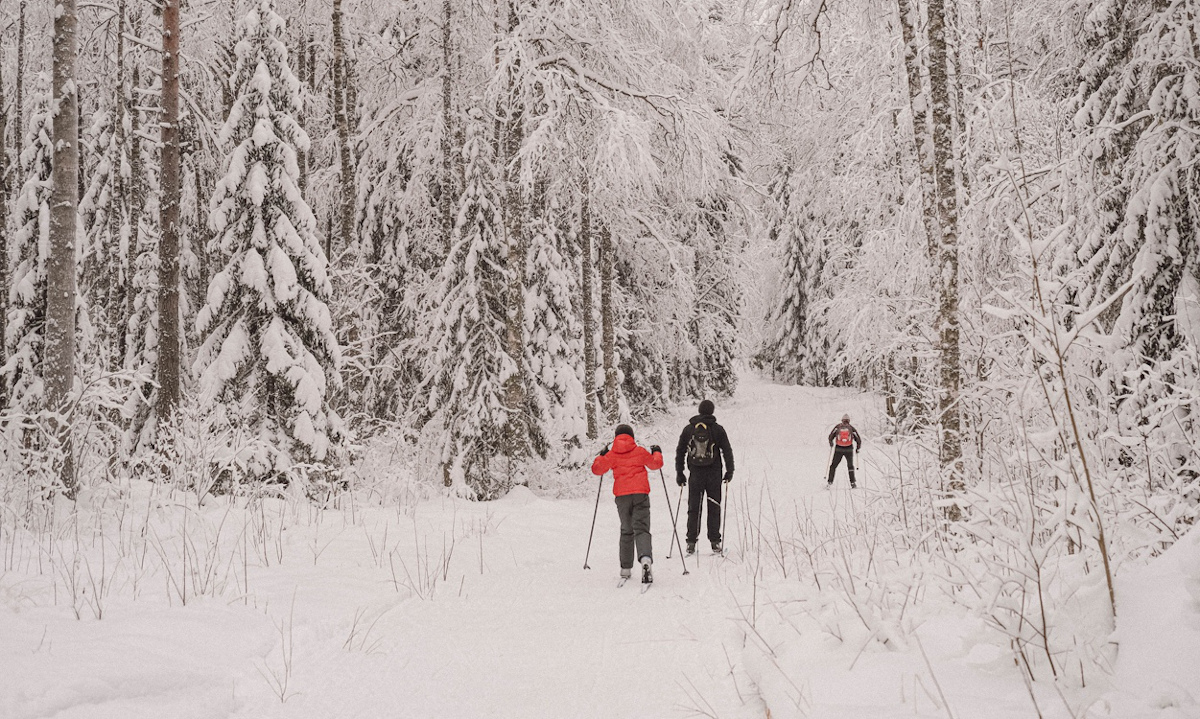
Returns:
point(701, 450)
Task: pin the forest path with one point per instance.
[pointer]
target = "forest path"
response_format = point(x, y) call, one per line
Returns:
point(535, 635)
point(445, 608)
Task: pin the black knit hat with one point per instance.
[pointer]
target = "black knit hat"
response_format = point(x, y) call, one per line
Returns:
point(706, 407)
point(623, 429)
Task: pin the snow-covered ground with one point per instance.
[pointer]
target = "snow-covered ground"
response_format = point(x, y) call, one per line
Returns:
point(448, 608)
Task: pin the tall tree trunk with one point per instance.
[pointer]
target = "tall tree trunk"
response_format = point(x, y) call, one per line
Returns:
point(589, 319)
point(608, 337)
point(19, 114)
point(302, 71)
point(169, 345)
point(447, 145)
point(114, 285)
point(59, 364)
point(342, 119)
point(4, 236)
point(947, 326)
point(922, 138)
point(518, 250)
point(137, 201)
point(955, 52)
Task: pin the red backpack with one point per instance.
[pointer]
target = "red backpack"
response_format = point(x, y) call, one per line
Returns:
point(844, 436)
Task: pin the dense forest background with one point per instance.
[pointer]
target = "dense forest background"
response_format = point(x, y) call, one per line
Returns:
point(268, 234)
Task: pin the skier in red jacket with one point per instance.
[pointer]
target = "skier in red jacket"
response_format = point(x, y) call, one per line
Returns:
point(631, 487)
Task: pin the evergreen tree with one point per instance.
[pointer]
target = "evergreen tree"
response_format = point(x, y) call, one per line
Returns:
point(462, 334)
point(796, 349)
point(107, 230)
point(25, 343)
point(553, 331)
point(141, 329)
point(1139, 118)
point(269, 350)
point(714, 322)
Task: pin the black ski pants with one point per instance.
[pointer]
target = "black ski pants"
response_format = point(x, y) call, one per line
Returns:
point(704, 491)
point(634, 511)
point(838, 453)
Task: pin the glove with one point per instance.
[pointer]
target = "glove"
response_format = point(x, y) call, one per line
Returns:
point(729, 476)
point(680, 479)
point(655, 448)
point(604, 451)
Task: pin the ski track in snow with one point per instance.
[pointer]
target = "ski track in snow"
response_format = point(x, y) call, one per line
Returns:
point(532, 634)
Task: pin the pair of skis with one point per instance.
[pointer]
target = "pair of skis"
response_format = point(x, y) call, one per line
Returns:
point(645, 585)
point(647, 578)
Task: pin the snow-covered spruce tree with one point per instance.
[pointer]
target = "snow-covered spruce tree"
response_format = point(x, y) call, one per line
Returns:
point(28, 249)
point(1139, 117)
point(795, 317)
point(461, 334)
point(109, 210)
point(715, 313)
point(553, 331)
point(269, 351)
point(409, 178)
point(106, 226)
point(140, 343)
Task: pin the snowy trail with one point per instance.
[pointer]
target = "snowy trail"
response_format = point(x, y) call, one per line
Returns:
point(448, 608)
point(516, 628)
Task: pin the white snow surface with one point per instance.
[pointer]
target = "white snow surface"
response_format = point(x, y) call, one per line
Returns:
point(509, 624)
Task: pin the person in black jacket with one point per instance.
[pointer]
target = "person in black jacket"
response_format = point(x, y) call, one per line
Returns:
point(845, 440)
point(703, 445)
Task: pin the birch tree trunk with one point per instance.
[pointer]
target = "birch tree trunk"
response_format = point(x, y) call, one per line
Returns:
point(947, 255)
point(4, 236)
point(59, 367)
point(19, 115)
point(589, 319)
point(342, 119)
point(608, 337)
point(918, 109)
point(955, 52)
point(168, 251)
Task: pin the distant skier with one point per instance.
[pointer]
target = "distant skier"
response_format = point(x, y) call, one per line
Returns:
point(845, 441)
point(631, 487)
point(702, 444)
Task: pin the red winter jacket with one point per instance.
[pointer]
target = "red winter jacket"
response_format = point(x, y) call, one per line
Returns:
point(628, 463)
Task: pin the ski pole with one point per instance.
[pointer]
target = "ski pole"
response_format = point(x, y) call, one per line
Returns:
point(829, 464)
point(724, 512)
point(595, 512)
point(677, 506)
point(856, 467)
point(674, 526)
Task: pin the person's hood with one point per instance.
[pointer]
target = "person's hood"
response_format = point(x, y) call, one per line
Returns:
point(709, 419)
point(623, 444)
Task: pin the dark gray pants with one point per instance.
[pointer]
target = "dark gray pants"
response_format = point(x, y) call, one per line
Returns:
point(634, 511)
point(704, 492)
